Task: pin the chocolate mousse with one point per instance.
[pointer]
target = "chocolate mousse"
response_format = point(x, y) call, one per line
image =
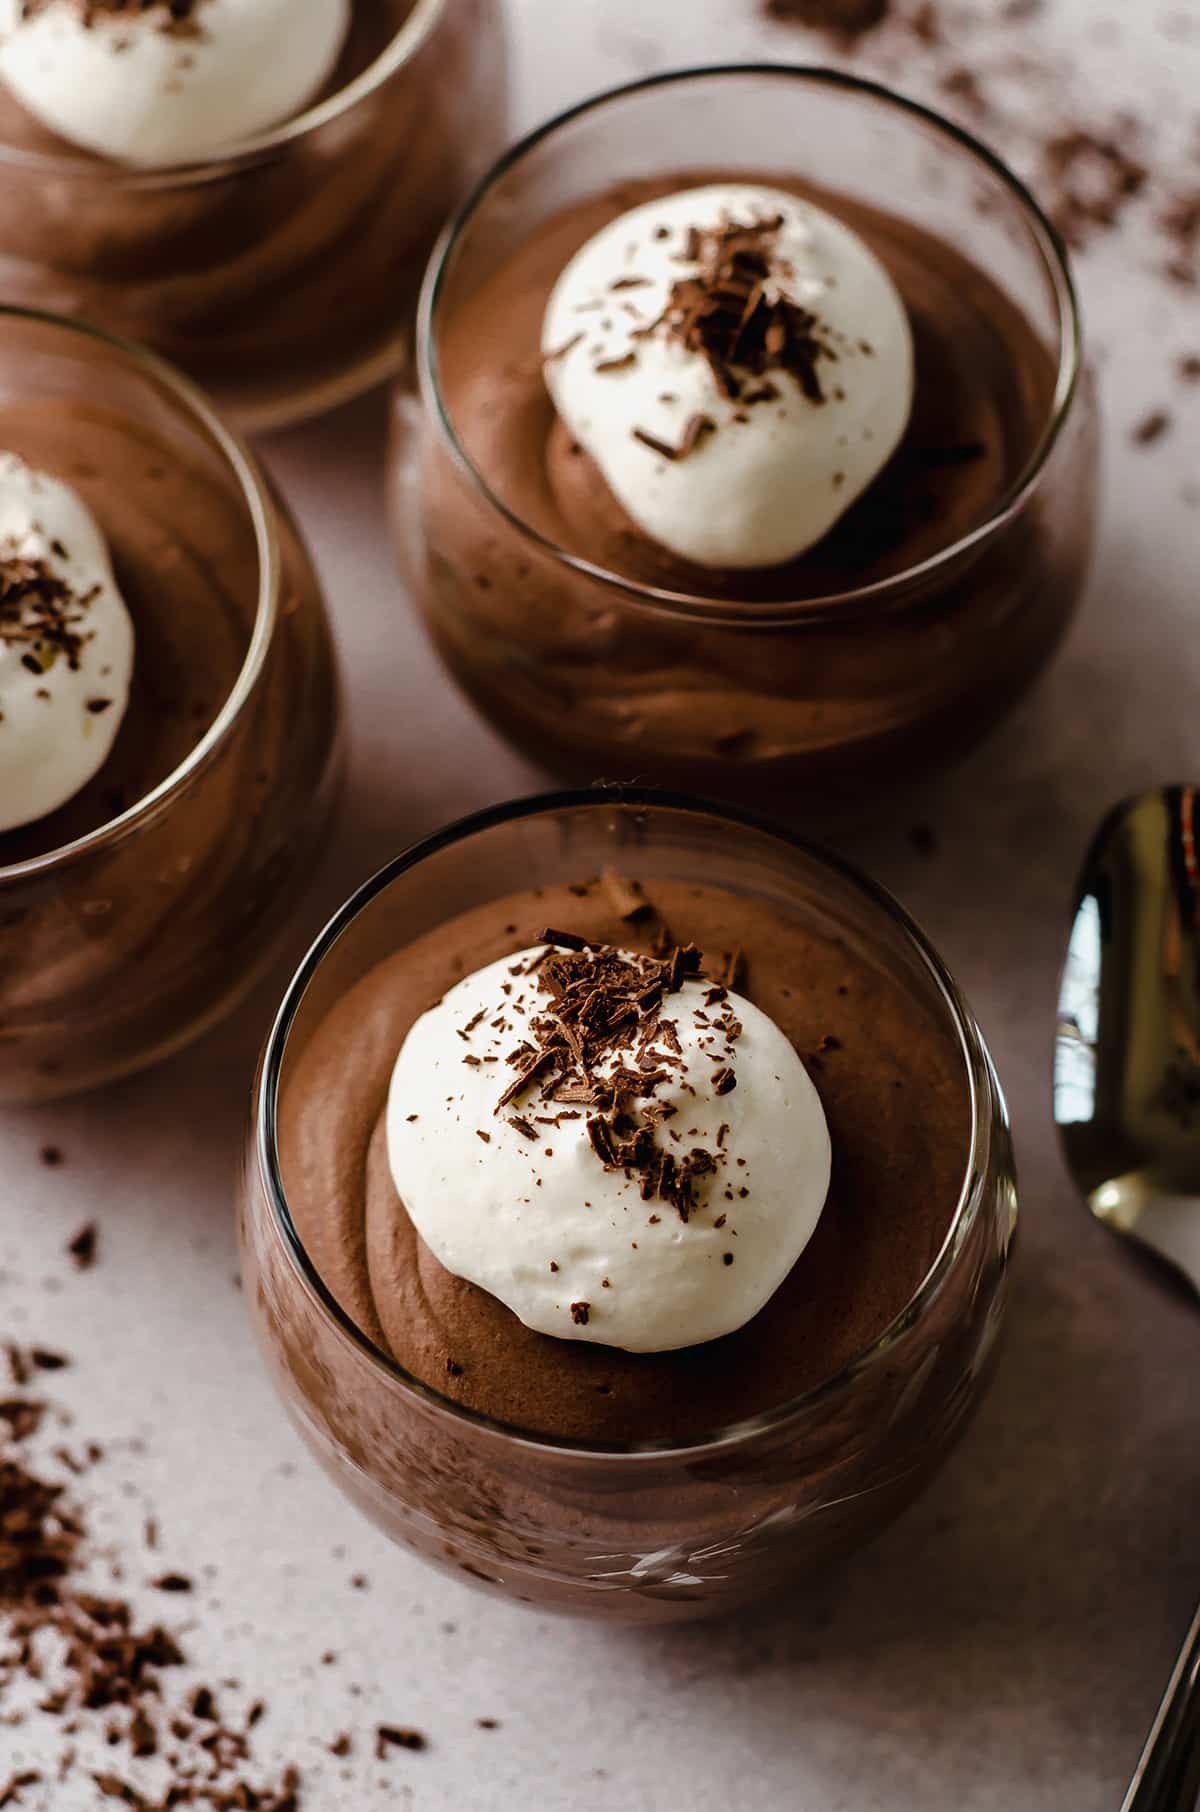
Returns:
point(168, 711)
point(188, 575)
point(981, 395)
point(162, 177)
point(629, 981)
point(802, 418)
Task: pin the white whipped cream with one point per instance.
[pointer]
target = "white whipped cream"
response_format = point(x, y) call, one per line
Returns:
point(60, 706)
point(543, 1226)
point(755, 491)
point(132, 88)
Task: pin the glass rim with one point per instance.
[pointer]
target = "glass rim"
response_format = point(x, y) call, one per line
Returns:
point(745, 614)
point(400, 49)
point(261, 510)
point(985, 1105)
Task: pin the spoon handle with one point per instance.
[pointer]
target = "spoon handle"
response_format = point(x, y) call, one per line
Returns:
point(1168, 1775)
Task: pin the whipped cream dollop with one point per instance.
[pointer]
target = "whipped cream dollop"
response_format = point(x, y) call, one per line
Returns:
point(66, 645)
point(618, 1150)
point(739, 365)
point(168, 85)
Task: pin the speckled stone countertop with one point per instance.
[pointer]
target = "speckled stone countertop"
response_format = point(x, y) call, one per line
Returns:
point(1004, 1645)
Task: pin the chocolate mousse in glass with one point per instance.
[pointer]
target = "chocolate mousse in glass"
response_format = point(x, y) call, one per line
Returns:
point(628, 1202)
point(168, 710)
point(706, 486)
point(253, 192)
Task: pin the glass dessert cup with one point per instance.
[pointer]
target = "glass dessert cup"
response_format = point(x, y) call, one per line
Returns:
point(594, 674)
point(646, 1534)
point(282, 275)
point(123, 944)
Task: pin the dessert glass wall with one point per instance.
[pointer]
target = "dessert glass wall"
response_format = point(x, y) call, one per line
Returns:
point(283, 276)
point(658, 1533)
point(596, 675)
point(121, 946)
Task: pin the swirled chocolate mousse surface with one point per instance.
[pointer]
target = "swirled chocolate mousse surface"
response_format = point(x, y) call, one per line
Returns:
point(982, 394)
point(890, 1081)
point(185, 564)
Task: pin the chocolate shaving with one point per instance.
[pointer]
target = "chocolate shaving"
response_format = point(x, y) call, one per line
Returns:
point(662, 447)
point(109, 1680)
point(41, 612)
point(1152, 427)
point(733, 312)
point(695, 430)
point(733, 970)
point(601, 1045)
point(536, 1067)
point(560, 352)
point(564, 940)
point(580, 1312)
point(600, 1134)
point(83, 1247)
point(177, 16)
point(626, 897)
point(398, 1736)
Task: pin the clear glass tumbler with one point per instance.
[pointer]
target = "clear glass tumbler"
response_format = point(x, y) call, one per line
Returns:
point(125, 943)
point(598, 676)
point(651, 1533)
point(282, 275)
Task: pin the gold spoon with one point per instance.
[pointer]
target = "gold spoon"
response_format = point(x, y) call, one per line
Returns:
point(1127, 1106)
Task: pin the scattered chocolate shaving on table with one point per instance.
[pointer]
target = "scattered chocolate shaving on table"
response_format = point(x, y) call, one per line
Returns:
point(83, 1246)
point(845, 18)
point(1089, 161)
point(1090, 178)
point(86, 1659)
point(1180, 223)
point(11, 1791)
point(398, 1736)
point(172, 1582)
point(1152, 427)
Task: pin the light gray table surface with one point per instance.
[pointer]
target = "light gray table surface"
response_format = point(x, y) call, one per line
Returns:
point(1002, 1647)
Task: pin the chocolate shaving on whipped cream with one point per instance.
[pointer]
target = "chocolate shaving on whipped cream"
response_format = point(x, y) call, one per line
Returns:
point(603, 1044)
point(173, 12)
point(39, 609)
point(734, 312)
